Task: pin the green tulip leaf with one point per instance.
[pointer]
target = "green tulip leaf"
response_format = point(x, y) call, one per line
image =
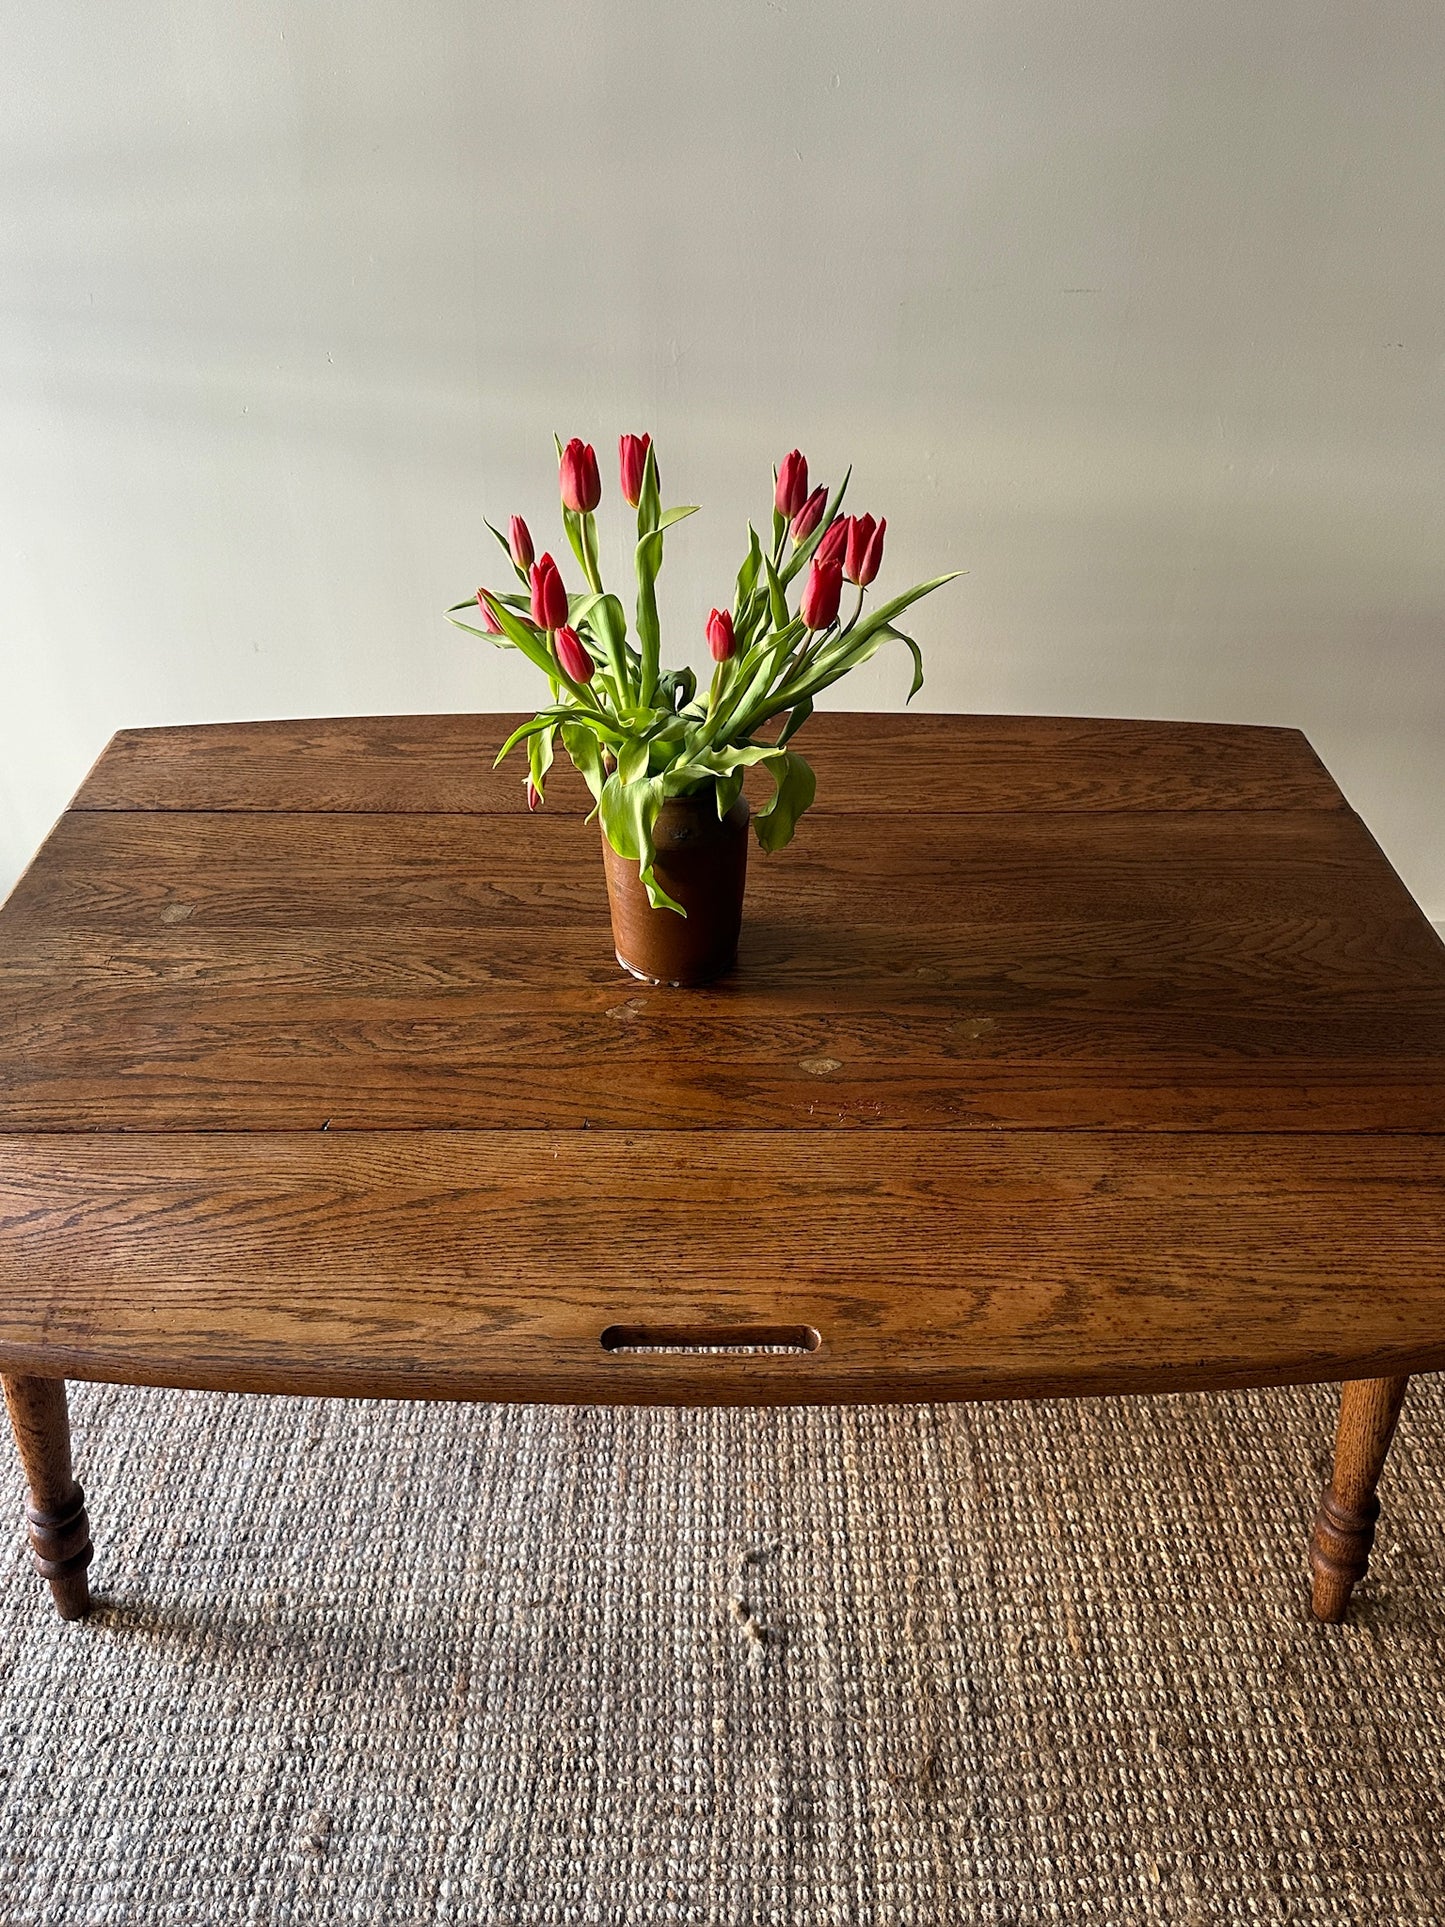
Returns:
point(629, 812)
point(734, 756)
point(765, 663)
point(897, 635)
point(580, 607)
point(796, 786)
point(522, 635)
point(881, 617)
point(609, 621)
point(633, 762)
point(649, 497)
point(649, 562)
point(586, 754)
point(729, 789)
point(547, 719)
point(572, 523)
point(676, 689)
point(796, 718)
point(752, 568)
point(777, 600)
point(539, 757)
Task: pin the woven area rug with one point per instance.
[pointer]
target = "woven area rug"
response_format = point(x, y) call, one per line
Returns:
point(403, 1664)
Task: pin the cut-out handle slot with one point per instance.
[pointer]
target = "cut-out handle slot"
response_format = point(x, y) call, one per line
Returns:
point(722, 1340)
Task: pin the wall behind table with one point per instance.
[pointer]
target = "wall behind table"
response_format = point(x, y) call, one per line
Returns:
point(1133, 310)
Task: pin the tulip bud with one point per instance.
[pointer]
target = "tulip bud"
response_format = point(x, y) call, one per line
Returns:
point(534, 795)
point(573, 657)
point(489, 621)
point(809, 515)
point(521, 543)
point(834, 542)
point(720, 638)
point(581, 484)
point(631, 461)
point(821, 594)
point(792, 489)
point(865, 548)
point(549, 597)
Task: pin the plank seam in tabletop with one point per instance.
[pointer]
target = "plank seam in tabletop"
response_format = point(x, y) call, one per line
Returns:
point(817, 810)
point(449, 749)
point(164, 1034)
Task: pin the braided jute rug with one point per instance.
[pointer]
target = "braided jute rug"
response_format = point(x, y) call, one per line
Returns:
point(425, 1664)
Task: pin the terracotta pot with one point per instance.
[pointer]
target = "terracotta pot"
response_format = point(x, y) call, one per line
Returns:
point(703, 864)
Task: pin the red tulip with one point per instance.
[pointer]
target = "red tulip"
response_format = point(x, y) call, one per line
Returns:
point(792, 489)
point(489, 621)
point(865, 548)
point(720, 638)
point(573, 657)
point(581, 484)
point(631, 461)
point(822, 593)
point(521, 543)
point(809, 515)
point(834, 542)
point(534, 795)
point(549, 597)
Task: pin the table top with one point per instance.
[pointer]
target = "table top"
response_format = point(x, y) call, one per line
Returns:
point(1061, 1056)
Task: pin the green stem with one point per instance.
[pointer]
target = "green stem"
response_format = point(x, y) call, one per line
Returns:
point(590, 566)
point(774, 701)
point(804, 658)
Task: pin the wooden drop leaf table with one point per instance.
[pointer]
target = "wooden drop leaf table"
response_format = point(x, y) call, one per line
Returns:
point(1060, 1057)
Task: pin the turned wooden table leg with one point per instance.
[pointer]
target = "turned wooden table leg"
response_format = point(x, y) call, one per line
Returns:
point(1344, 1528)
point(59, 1529)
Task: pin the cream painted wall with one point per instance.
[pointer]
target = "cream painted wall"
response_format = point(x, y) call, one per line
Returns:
point(1133, 309)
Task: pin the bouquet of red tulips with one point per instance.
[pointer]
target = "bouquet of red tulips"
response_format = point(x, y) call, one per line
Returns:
point(639, 734)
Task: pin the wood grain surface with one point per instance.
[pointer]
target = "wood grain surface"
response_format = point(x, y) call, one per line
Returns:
point(487, 1265)
point(1059, 1056)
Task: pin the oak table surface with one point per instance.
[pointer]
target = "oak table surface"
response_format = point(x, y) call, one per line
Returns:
point(1061, 1056)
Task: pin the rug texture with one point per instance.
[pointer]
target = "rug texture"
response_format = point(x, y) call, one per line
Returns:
point(1014, 1664)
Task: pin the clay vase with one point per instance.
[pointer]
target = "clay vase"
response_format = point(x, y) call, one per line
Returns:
point(701, 863)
